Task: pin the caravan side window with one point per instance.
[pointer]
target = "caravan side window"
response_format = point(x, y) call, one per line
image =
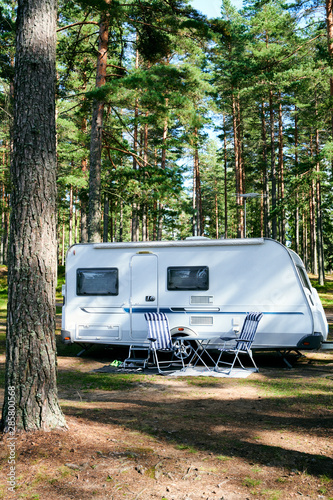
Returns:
point(188, 278)
point(102, 281)
point(304, 278)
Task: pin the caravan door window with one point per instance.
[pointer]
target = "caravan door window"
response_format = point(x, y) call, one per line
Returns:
point(188, 278)
point(102, 281)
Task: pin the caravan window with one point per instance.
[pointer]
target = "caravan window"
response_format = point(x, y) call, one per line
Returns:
point(97, 281)
point(304, 278)
point(188, 278)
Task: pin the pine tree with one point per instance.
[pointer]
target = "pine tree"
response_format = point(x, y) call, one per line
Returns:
point(30, 344)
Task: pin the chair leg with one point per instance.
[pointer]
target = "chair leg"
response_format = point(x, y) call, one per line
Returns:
point(236, 357)
point(249, 352)
point(251, 356)
point(223, 362)
point(157, 363)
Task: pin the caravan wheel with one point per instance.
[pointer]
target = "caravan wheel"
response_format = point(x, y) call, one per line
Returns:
point(183, 349)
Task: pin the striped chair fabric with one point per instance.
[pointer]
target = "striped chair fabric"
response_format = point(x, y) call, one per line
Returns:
point(160, 340)
point(243, 343)
point(158, 328)
point(248, 331)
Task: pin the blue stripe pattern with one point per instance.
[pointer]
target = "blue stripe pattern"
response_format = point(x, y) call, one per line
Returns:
point(169, 310)
point(158, 327)
point(248, 331)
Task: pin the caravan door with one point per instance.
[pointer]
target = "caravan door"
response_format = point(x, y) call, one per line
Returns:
point(143, 291)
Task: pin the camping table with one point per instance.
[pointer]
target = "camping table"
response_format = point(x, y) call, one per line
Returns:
point(199, 351)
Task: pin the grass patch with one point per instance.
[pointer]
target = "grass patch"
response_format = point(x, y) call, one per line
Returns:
point(100, 381)
point(200, 382)
point(60, 282)
point(271, 494)
point(250, 482)
point(223, 458)
point(190, 449)
point(325, 291)
point(287, 387)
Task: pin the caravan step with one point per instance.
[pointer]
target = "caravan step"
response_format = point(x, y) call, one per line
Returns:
point(134, 348)
point(327, 346)
point(135, 361)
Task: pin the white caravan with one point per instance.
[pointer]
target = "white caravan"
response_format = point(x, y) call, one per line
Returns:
point(205, 287)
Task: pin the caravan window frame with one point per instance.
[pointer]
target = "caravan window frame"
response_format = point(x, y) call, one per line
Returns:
point(304, 277)
point(114, 290)
point(173, 270)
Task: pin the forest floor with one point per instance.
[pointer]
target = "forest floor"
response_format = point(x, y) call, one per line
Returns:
point(146, 436)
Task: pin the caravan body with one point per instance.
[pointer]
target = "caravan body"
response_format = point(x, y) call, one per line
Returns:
point(205, 287)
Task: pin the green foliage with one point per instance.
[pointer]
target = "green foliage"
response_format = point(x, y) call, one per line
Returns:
point(173, 76)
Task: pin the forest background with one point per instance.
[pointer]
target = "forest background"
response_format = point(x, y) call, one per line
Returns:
point(166, 119)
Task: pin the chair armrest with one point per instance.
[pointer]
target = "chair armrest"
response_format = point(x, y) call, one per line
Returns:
point(151, 339)
point(228, 338)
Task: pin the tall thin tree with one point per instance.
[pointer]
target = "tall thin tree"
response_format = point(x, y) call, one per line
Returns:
point(30, 345)
point(95, 203)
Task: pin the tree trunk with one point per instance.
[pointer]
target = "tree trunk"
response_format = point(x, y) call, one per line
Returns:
point(163, 165)
point(194, 208)
point(95, 204)
point(197, 202)
point(135, 206)
point(329, 28)
point(144, 175)
point(296, 192)
point(75, 218)
point(216, 209)
point(121, 221)
point(63, 244)
point(273, 168)
point(83, 212)
point(70, 231)
point(265, 173)
point(282, 235)
point(305, 238)
point(106, 218)
point(83, 193)
point(320, 236)
point(31, 400)
point(312, 211)
point(239, 187)
point(225, 182)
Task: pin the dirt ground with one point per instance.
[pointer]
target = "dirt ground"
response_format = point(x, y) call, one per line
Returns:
point(145, 436)
point(155, 437)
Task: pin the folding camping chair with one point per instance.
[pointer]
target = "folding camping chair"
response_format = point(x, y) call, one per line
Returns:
point(161, 342)
point(242, 344)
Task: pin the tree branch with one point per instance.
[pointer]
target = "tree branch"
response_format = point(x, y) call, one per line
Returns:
point(10, 116)
point(77, 24)
point(299, 48)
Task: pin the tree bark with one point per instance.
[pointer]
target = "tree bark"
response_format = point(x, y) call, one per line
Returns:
point(312, 211)
point(95, 203)
point(265, 173)
point(71, 208)
point(282, 235)
point(329, 28)
point(273, 168)
point(135, 205)
point(216, 192)
point(31, 400)
point(239, 184)
point(225, 157)
point(106, 218)
point(320, 236)
point(296, 192)
point(197, 201)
